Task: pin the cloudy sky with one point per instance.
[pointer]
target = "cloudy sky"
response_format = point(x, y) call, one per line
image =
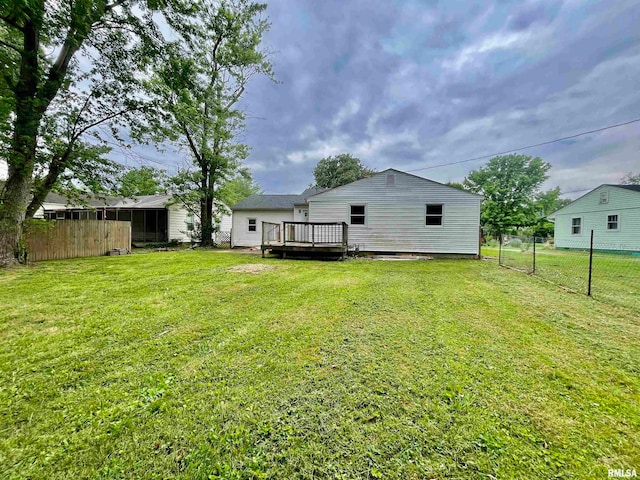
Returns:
point(414, 84)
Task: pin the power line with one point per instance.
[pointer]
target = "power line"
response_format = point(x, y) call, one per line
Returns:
point(528, 146)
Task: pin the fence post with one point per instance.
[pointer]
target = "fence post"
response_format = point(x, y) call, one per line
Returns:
point(534, 255)
point(590, 264)
point(313, 235)
point(500, 248)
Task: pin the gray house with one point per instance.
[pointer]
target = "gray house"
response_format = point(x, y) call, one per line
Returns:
point(611, 211)
point(390, 211)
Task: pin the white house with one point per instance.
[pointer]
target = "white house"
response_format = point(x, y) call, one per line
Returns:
point(390, 211)
point(154, 218)
point(611, 211)
point(249, 214)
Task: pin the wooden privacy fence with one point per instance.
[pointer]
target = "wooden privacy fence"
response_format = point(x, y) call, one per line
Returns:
point(76, 238)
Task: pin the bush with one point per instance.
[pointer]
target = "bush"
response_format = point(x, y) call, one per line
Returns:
point(515, 243)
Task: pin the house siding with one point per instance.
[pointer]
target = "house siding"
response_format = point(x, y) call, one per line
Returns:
point(395, 215)
point(46, 206)
point(622, 202)
point(177, 224)
point(298, 213)
point(225, 223)
point(240, 235)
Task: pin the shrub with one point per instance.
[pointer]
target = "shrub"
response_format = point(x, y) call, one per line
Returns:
point(515, 243)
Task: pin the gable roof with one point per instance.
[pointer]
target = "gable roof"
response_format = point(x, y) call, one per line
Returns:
point(91, 200)
point(633, 188)
point(269, 202)
point(276, 202)
point(161, 200)
point(403, 173)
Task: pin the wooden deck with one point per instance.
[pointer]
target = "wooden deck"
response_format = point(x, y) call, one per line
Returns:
point(305, 239)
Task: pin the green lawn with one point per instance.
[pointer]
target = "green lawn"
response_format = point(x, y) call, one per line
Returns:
point(183, 365)
point(615, 277)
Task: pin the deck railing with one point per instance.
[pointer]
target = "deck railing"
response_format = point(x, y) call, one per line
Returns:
point(315, 233)
point(271, 233)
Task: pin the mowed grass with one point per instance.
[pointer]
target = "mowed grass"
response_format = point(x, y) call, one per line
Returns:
point(615, 277)
point(184, 365)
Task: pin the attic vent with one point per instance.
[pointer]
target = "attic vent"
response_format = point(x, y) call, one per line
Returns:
point(391, 179)
point(604, 197)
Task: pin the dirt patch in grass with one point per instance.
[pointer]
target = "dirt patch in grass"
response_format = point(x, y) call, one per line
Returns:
point(251, 268)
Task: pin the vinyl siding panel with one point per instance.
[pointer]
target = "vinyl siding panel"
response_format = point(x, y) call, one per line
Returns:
point(240, 235)
point(177, 228)
point(624, 203)
point(395, 215)
point(226, 223)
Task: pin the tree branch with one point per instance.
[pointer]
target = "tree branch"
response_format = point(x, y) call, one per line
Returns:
point(113, 5)
point(192, 144)
point(102, 120)
point(235, 97)
point(13, 47)
point(11, 22)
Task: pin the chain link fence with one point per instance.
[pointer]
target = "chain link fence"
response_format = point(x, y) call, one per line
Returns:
point(600, 269)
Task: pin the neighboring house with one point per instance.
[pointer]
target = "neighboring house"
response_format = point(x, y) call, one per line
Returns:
point(154, 218)
point(390, 211)
point(611, 211)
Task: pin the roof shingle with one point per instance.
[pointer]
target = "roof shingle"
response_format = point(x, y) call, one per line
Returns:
point(276, 202)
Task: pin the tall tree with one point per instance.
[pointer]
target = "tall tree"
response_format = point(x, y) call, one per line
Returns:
point(509, 184)
point(331, 172)
point(47, 86)
point(199, 84)
point(545, 204)
point(238, 188)
point(631, 179)
point(141, 181)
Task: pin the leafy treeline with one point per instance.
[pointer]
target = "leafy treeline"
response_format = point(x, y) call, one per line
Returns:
point(77, 75)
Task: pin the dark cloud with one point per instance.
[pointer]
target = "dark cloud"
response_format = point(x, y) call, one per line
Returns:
point(413, 83)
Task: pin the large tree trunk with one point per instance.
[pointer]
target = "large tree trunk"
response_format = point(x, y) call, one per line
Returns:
point(17, 190)
point(12, 215)
point(22, 155)
point(206, 223)
point(206, 208)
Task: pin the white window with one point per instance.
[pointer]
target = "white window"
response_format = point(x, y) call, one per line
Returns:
point(604, 197)
point(435, 214)
point(357, 214)
point(576, 226)
point(613, 221)
point(60, 215)
point(253, 225)
point(189, 222)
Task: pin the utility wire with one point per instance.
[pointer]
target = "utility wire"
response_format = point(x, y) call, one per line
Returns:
point(528, 146)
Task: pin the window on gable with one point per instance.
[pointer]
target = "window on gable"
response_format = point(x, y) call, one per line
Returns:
point(604, 197)
point(434, 214)
point(612, 222)
point(357, 215)
point(253, 225)
point(576, 226)
point(391, 180)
